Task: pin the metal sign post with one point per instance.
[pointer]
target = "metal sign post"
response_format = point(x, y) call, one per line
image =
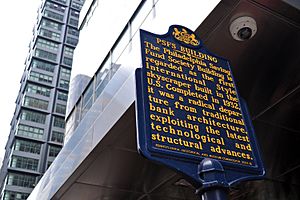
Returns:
point(214, 184)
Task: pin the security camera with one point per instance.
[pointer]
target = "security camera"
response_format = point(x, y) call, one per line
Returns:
point(243, 28)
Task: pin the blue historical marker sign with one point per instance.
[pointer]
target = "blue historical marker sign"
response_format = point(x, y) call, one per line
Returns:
point(189, 109)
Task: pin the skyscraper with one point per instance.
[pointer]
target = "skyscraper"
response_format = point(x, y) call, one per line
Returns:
point(37, 127)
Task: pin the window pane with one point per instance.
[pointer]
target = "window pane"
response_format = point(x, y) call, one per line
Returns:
point(53, 15)
point(75, 13)
point(45, 54)
point(47, 44)
point(42, 65)
point(24, 163)
point(73, 22)
point(73, 31)
point(35, 76)
point(51, 24)
point(67, 61)
point(30, 131)
point(62, 96)
point(21, 180)
point(64, 84)
point(59, 122)
point(10, 195)
point(68, 51)
point(76, 5)
point(50, 34)
point(60, 108)
point(57, 137)
point(55, 6)
point(27, 146)
point(33, 116)
point(36, 103)
point(65, 73)
point(53, 151)
point(72, 41)
point(35, 89)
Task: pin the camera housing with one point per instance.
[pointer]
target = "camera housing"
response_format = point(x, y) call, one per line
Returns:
point(243, 28)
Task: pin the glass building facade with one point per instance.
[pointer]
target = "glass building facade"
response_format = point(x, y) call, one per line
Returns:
point(37, 127)
point(99, 159)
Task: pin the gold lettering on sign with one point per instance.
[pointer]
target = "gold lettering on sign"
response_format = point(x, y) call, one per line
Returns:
point(185, 80)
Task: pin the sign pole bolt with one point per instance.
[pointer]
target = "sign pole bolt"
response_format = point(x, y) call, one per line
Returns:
point(212, 176)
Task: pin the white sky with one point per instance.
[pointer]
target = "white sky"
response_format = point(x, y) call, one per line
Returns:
point(17, 19)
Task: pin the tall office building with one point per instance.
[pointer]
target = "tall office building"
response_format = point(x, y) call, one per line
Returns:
point(37, 127)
